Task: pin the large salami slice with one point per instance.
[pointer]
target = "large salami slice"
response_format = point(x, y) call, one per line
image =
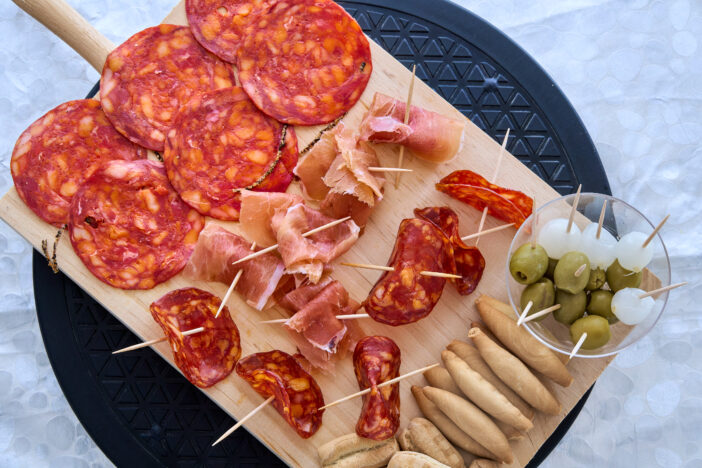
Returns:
point(55, 154)
point(147, 78)
point(297, 395)
point(129, 226)
point(221, 143)
point(221, 25)
point(403, 295)
point(511, 206)
point(205, 357)
point(470, 263)
point(305, 63)
point(376, 359)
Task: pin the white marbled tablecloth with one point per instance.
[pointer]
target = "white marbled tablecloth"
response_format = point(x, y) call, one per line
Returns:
point(633, 71)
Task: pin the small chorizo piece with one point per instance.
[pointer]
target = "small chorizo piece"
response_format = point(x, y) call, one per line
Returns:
point(403, 295)
point(470, 263)
point(297, 395)
point(205, 357)
point(376, 359)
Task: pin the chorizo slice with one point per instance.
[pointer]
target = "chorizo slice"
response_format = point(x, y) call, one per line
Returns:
point(206, 357)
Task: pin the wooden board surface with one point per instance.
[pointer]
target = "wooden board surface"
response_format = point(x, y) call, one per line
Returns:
point(421, 343)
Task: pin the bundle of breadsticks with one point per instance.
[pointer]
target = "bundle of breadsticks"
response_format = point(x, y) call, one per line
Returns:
point(486, 393)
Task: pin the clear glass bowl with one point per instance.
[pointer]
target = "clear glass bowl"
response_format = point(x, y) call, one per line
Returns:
point(621, 218)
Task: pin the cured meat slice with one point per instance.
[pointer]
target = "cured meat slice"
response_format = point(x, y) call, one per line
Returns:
point(300, 296)
point(221, 25)
point(314, 165)
point(470, 263)
point(377, 359)
point(403, 295)
point(129, 227)
point(212, 260)
point(220, 143)
point(427, 135)
point(297, 395)
point(306, 64)
point(61, 149)
point(257, 210)
point(314, 328)
point(337, 205)
point(148, 78)
point(206, 357)
point(508, 205)
point(308, 255)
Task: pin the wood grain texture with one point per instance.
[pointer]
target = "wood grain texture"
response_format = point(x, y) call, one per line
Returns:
point(421, 343)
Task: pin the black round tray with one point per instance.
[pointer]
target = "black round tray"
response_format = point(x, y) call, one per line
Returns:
point(141, 411)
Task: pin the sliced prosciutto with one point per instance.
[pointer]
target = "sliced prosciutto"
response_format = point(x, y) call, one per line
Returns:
point(308, 255)
point(313, 165)
point(257, 210)
point(320, 337)
point(337, 205)
point(212, 260)
point(427, 135)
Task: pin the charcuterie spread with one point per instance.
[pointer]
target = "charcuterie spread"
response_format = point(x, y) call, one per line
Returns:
point(129, 227)
point(207, 357)
point(297, 395)
point(147, 78)
point(469, 187)
point(230, 152)
point(306, 64)
point(53, 157)
point(403, 295)
point(377, 359)
point(219, 144)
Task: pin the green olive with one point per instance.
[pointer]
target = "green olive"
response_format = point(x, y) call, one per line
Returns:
point(552, 262)
point(600, 303)
point(542, 294)
point(572, 306)
point(619, 277)
point(597, 329)
point(528, 264)
point(597, 279)
point(570, 275)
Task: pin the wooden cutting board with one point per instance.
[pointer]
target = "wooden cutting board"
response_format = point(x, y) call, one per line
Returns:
point(421, 343)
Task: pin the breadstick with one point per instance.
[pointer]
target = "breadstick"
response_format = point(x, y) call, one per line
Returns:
point(423, 437)
point(527, 348)
point(405, 459)
point(514, 373)
point(440, 378)
point(447, 427)
point(468, 353)
point(485, 330)
point(482, 393)
point(483, 463)
point(472, 421)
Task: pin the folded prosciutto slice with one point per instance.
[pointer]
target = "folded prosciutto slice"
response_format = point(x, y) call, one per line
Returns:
point(427, 135)
point(312, 166)
point(212, 260)
point(339, 205)
point(308, 255)
point(318, 334)
point(257, 210)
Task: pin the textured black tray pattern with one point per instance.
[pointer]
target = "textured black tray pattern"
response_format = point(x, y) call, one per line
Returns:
point(141, 411)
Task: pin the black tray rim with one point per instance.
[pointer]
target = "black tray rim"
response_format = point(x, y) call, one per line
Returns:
point(97, 417)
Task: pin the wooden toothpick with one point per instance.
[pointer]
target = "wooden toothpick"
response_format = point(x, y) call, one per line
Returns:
point(157, 340)
point(235, 281)
point(541, 313)
point(663, 289)
point(388, 169)
point(487, 231)
point(655, 231)
point(600, 222)
point(577, 346)
point(483, 217)
point(305, 234)
point(368, 390)
point(401, 155)
point(574, 208)
point(525, 312)
point(244, 419)
point(340, 317)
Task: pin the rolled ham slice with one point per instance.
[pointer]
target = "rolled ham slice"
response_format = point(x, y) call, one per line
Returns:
point(427, 135)
point(313, 165)
point(257, 210)
point(212, 259)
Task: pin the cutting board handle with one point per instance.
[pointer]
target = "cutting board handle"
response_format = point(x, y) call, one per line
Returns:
point(71, 27)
